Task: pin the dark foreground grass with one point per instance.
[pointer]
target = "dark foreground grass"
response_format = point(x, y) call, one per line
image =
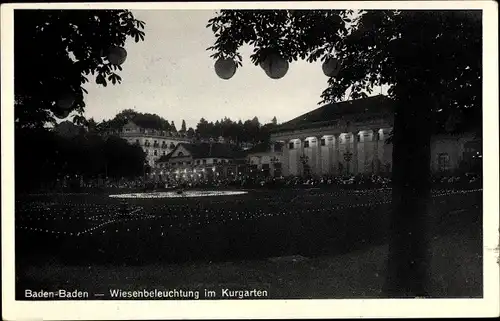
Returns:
point(227, 241)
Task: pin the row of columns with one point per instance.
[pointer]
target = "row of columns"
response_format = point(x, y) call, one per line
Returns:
point(334, 156)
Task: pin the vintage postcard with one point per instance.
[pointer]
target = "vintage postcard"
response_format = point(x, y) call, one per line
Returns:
point(250, 160)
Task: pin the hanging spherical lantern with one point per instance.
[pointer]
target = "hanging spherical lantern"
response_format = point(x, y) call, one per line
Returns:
point(275, 66)
point(225, 68)
point(66, 101)
point(331, 67)
point(117, 55)
point(61, 113)
point(263, 65)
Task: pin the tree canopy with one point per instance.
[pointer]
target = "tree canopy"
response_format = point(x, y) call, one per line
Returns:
point(58, 51)
point(250, 131)
point(432, 62)
point(45, 155)
point(183, 127)
point(144, 120)
point(439, 50)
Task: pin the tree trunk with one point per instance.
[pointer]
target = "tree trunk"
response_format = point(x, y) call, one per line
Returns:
point(409, 253)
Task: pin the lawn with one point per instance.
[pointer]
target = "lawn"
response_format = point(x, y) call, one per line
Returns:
point(291, 241)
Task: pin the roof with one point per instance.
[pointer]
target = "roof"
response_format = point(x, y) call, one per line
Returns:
point(164, 158)
point(379, 104)
point(207, 150)
point(374, 107)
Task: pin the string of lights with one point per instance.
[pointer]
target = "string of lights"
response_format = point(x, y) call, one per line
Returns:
point(80, 219)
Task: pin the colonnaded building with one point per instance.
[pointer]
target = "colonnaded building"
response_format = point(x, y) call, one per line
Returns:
point(350, 138)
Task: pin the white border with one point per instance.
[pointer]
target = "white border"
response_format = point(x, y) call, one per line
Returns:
point(488, 306)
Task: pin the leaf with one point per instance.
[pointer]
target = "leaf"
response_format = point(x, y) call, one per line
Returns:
point(99, 79)
point(112, 78)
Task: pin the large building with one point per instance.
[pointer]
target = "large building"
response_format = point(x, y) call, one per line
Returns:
point(200, 160)
point(350, 138)
point(266, 159)
point(155, 143)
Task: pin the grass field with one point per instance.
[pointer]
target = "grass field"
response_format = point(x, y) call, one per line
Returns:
point(338, 239)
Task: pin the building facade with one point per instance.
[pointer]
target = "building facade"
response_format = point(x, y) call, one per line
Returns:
point(351, 138)
point(266, 161)
point(196, 161)
point(154, 143)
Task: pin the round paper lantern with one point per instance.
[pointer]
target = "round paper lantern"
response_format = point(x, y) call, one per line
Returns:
point(66, 101)
point(263, 65)
point(225, 68)
point(331, 67)
point(61, 113)
point(117, 55)
point(275, 66)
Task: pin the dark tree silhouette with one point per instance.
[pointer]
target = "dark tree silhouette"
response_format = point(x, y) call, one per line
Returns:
point(57, 51)
point(150, 121)
point(183, 126)
point(190, 132)
point(46, 156)
point(432, 61)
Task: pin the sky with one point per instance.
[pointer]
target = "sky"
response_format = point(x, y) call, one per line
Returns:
point(171, 74)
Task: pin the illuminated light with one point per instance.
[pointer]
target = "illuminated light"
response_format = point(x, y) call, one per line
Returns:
point(225, 68)
point(117, 55)
point(61, 114)
point(331, 67)
point(175, 195)
point(275, 66)
point(66, 101)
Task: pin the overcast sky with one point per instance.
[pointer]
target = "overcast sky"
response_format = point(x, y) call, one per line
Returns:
point(171, 74)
